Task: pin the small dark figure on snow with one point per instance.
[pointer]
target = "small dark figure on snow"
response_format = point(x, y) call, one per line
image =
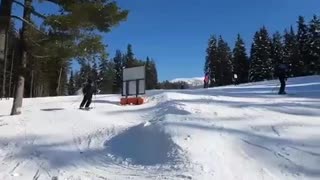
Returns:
point(88, 92)
point(206, 80)
point(235, 80)
point(282, 74)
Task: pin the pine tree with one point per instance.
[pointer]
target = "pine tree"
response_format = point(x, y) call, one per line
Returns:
point(261, 62)
point(207, 62)
point(63, 84)
point(94, 74)
point(103, 66)
point(111, 74)
point(277, 50)
point(154, 74)
point(129, 57)
point(78, 82)
point(291, 54)
point(85, 72)
point(151, 74)
point(314, 44)
point(71, 85)
point(107, 85)
point(224, 56)
point(118, 61)
point(303, 49)
point(211, 62)
point(148, 74)
point(240, 60)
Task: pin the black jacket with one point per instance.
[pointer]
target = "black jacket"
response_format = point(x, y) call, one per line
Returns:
point(282, 71)
point(89, 90)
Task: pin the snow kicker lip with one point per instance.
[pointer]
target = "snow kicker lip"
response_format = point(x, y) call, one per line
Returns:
point(144, 145)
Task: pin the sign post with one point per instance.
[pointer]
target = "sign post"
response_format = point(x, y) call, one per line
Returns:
point(134, 83)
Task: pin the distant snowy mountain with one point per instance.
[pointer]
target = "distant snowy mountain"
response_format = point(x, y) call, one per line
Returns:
point(192, 82)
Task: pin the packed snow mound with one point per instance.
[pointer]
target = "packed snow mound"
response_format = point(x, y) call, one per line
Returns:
point(145, 145)
point(192, 82)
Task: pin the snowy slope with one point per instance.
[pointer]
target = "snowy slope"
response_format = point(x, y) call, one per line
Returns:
point(245, 132)
point(192, 82)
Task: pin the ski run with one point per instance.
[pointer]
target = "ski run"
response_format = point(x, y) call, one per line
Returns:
point(244, 132)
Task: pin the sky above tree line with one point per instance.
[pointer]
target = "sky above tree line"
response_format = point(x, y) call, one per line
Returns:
point(175, 33)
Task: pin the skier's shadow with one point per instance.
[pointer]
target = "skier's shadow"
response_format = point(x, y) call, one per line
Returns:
point(52, 109)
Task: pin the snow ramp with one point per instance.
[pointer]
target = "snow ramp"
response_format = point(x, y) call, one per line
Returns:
point(145, 145)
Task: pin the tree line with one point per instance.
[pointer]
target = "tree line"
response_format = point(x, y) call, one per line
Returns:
point(36, 58)
point(299, 50)
point(107, 74)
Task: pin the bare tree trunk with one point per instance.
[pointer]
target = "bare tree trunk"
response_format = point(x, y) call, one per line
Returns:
point(11, 70)
point(37, 92)
point(31, 86)
point(5, 68)
point(41, 90)
point(14, 89)
point(18, 98)
point(5, 13)
point(59, 82)
point(17, 102)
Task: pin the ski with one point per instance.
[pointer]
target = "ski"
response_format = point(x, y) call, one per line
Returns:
point(86, 109)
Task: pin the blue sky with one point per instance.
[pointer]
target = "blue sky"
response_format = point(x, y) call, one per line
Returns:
point(175, 32)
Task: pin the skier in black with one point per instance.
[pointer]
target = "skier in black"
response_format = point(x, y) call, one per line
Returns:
point(282, 74)
point(88, 92)
point(206, 80)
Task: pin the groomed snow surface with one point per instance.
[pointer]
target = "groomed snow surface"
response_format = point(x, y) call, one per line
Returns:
point(245, 132)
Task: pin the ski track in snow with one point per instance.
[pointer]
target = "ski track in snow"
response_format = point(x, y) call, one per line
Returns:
point(233, 132)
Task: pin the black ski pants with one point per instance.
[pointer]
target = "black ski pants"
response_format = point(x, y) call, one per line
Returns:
point(87, 99)
point(283, 85)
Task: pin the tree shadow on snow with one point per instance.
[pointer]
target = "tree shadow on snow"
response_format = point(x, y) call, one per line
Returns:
point(53, 155)
point(139, 145)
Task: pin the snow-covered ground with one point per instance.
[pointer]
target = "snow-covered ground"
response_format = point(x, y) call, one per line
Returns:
point(242, 132)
